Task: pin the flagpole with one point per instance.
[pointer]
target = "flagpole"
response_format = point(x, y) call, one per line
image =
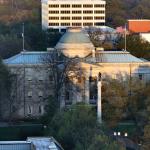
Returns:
point(23, 37)
point(125, 38)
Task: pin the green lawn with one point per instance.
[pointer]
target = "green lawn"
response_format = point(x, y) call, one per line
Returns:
point(20, 132)
point(128, 127)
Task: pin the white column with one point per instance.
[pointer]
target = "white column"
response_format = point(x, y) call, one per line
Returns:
point(99, 101)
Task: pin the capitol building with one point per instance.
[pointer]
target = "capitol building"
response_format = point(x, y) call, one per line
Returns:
point(34, 82)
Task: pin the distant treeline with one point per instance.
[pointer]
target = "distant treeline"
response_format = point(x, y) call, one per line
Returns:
point(118, 11)
point(14, 11)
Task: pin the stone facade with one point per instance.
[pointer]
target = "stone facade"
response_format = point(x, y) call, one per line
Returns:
point(87, 91)
point(32, 86)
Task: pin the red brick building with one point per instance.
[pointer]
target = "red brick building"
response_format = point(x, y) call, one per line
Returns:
point(139, 26)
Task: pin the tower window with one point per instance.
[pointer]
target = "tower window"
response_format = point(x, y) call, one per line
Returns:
point(99, 24)
point(88, 24)
point(88, 18)
point(76, 12)
point(99, 5)
point(65, 6)
point(87, 6)
point(99, 11)
point(76, 24)
point(65, 24)
point(99, 18)
point(76, 18)
point(53, 18)
point(76, 6)
point(54, 12)
point(87, 11)
point(65, 18)
point(53, 6)
point(53, 24)
point(65, 12)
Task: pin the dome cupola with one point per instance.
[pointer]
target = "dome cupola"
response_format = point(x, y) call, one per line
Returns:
point(75, 43)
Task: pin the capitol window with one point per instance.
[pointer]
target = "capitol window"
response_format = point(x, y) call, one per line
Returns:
point(30, 109)
point(29, 78)
point(40, 94)
point(41, 109)
point(30, 94)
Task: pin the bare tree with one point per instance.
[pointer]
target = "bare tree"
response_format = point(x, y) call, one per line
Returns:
point(62, 70)
point(15, 93)
point(103, 38)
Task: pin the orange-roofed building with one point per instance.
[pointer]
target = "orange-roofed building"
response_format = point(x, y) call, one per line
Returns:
point(139, 26)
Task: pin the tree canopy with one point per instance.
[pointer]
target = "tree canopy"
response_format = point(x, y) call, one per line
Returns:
point(118, 11)
point(5, 84)
point(136, 46)
point(76, 128)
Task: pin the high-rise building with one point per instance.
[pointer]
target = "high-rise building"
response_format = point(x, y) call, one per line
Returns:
point(60, 14)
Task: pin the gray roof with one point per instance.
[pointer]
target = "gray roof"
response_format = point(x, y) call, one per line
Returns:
point(27, 58)
point(39, 143)
point(101, 57)
point(15, 145)
point(44, 143)
point(115, 57)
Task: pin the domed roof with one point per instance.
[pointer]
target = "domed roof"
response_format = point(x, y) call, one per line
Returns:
point(75, 43)
point(74, 36)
